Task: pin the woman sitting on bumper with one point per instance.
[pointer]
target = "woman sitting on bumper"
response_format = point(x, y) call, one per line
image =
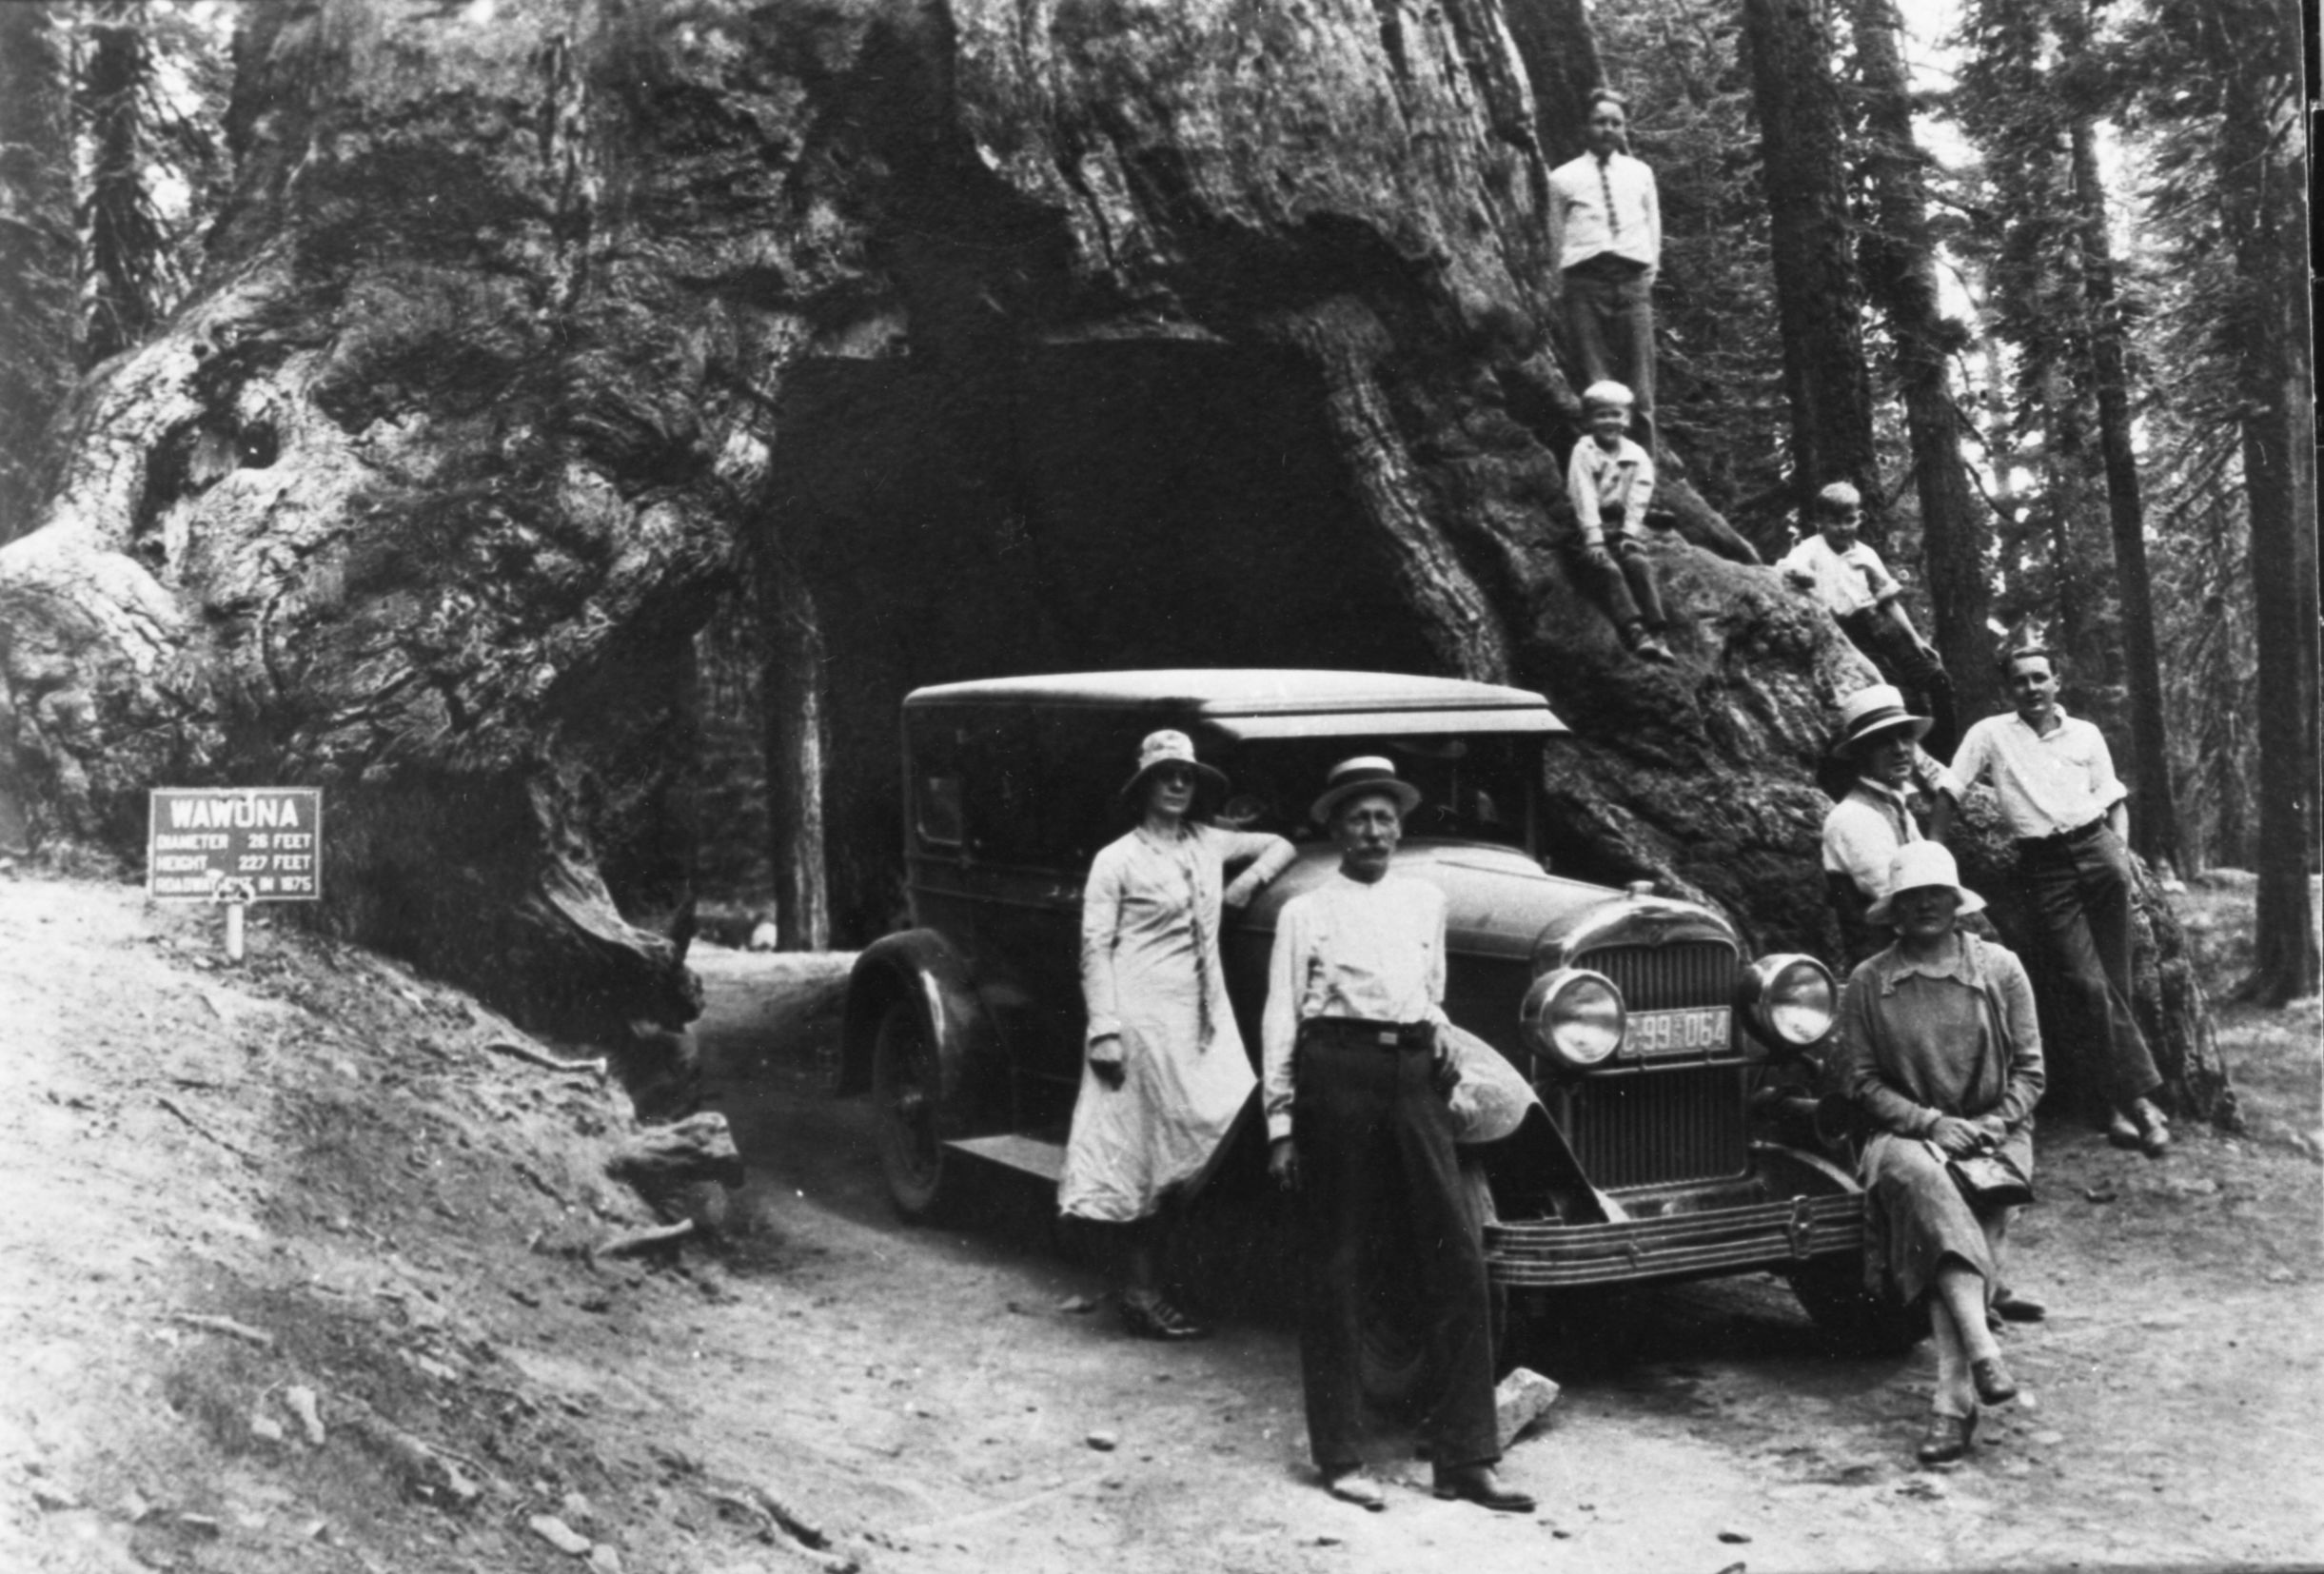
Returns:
point(1940, 1050)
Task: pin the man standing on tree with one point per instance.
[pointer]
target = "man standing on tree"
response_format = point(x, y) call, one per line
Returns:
point(1605, 231)
point(1849, 580)
point(2061, 801)
point(1609, 481)
point(1359, 1122)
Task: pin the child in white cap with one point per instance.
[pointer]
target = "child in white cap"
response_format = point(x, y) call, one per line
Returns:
point(1610, 480)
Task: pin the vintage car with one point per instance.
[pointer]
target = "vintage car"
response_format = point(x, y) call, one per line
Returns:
point(1666, 1145)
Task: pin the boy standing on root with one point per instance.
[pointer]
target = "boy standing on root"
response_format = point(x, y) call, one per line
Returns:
point(1610, 480)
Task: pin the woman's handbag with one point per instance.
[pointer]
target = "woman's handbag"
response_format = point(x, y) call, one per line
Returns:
point(1989, 1181)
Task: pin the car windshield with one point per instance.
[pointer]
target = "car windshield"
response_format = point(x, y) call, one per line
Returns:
point(1471, 788)
point(1032, 786)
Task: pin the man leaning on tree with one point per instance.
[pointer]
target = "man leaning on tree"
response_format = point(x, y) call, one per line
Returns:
point(2062, 802)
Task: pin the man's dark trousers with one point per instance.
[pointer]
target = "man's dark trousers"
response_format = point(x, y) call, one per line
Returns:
point(2078, 888)
point(1374, 1139)
point(1609, 310)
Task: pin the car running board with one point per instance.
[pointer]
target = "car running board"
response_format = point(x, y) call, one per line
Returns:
point(1029, 1154)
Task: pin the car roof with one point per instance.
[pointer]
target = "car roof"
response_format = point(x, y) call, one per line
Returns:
point(1223, 694)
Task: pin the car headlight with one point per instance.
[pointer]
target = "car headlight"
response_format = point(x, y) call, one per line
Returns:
point(1795, 1002)
point(1574, 1015)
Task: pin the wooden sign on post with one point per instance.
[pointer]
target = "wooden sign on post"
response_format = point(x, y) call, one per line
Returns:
point(234, 846)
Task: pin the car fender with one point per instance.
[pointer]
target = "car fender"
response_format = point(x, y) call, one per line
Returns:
point(1795, 1173)
point(921, 966)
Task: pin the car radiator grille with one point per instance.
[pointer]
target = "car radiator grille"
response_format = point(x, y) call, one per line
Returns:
point(1673, 1125)
point(1661, 977)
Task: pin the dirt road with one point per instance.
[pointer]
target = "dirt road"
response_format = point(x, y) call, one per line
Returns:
point(2170, 1417)
point(321, 1175)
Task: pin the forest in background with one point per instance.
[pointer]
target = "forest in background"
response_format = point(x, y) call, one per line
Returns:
point(2067, 361)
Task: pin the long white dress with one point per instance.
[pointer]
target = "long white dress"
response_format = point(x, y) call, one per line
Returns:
point(1149, 970)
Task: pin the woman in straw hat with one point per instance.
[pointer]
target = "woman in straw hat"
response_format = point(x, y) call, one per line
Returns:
point(1166, 1073)
point(1940, 1050)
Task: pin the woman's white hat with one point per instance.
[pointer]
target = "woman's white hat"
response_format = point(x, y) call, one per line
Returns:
point(1170, 747)
point(1364, 773)
point(1917, 866)
point(1873, 710)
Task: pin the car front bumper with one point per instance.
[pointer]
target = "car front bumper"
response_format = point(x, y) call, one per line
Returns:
point(1778, 1235)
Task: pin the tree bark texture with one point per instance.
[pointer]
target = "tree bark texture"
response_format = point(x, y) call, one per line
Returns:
point(1037, 336)
point(1898, 258)
point(1818, 297)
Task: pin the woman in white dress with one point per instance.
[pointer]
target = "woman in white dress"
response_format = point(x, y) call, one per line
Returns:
point(1166, 1072)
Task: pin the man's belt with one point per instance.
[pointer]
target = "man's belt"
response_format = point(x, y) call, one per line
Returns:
point(1609, 264)
point(2057, 841)
point(1355, 1031)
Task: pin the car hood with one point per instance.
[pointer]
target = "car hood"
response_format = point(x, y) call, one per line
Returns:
point(1498, 902)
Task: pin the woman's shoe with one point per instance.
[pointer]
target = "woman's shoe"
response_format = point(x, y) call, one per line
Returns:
point(1947, 1438)
point(2154, 1128)
point(1994, 1384)
point(1158, 1319)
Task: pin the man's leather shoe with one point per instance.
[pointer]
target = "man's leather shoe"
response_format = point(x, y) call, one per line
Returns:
point(1947, 1439)
point(1477, 1484)
point(1352, 1486)
point(2154, 1130)
point(2013, 1308)
point(1994, 1384)
point(1158, 1319)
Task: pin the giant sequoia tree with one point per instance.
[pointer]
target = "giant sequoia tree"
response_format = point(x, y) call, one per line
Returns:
point(991, 337)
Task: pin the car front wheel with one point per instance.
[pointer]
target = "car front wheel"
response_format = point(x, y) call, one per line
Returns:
point(907, 1089)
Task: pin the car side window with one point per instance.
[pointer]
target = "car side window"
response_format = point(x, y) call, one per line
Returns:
point(934, 753)
point(939, 797)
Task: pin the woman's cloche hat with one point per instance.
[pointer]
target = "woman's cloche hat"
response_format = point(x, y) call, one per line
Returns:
point(1364, 774)
point(1170, 747)
point(1917, 866)
point(1871, 711)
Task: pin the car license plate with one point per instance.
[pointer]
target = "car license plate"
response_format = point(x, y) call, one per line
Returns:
point(1706, 1031)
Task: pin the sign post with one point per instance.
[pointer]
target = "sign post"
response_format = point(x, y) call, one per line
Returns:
point(233, 846)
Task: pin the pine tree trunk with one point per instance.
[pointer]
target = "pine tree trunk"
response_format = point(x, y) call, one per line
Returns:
point(125, 239)
point(36, 251)
point(794, 703)
point(2263, 182)
point(1900, 267)
point(1818, 297)
point(2153, 814)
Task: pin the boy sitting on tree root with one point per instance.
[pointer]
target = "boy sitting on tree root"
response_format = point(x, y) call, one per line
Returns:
point(1610, 480)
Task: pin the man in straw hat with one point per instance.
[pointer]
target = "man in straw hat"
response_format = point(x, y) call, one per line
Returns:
point(1875, 815)
point(1358, 1073)
point(2061, 799)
